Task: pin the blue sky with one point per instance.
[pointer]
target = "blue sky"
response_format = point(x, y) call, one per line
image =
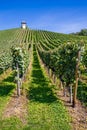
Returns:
point(64, 16)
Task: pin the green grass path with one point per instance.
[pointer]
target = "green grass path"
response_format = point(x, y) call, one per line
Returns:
point(46, 112)
point(6, 90)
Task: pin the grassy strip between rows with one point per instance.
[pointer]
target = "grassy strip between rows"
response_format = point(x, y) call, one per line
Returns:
point(46, 111)
point(6, 90)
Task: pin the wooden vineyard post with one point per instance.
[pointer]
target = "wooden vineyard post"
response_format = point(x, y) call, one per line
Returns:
point(54, 78)
point(77, 78)
point(71, 94)
point(18, 82)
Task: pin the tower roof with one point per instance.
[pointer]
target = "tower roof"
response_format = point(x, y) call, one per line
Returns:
point(23, 22)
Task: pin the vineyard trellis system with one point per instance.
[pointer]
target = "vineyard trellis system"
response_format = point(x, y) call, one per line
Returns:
point(59, 52)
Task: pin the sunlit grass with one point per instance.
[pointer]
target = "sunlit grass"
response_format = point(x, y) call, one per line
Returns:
point(46, 111)
point(6, 88)
point(12, 123)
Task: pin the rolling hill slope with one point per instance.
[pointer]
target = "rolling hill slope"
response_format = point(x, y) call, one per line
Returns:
point(49, 49)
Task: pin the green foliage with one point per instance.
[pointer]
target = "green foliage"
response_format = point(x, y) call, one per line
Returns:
point(6, 41)
point(18, 59)
point(66, 62)
point(62, 61)
point(84, 59)
point(82, 92)
point(83, 32)
point(9, 38)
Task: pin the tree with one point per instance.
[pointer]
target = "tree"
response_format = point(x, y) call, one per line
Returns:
point(83, 32)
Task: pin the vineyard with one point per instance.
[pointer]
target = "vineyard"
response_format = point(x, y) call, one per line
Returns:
point(35, 65)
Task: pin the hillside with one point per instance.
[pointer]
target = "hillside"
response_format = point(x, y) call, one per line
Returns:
point(49, 61)
point(45, 39)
